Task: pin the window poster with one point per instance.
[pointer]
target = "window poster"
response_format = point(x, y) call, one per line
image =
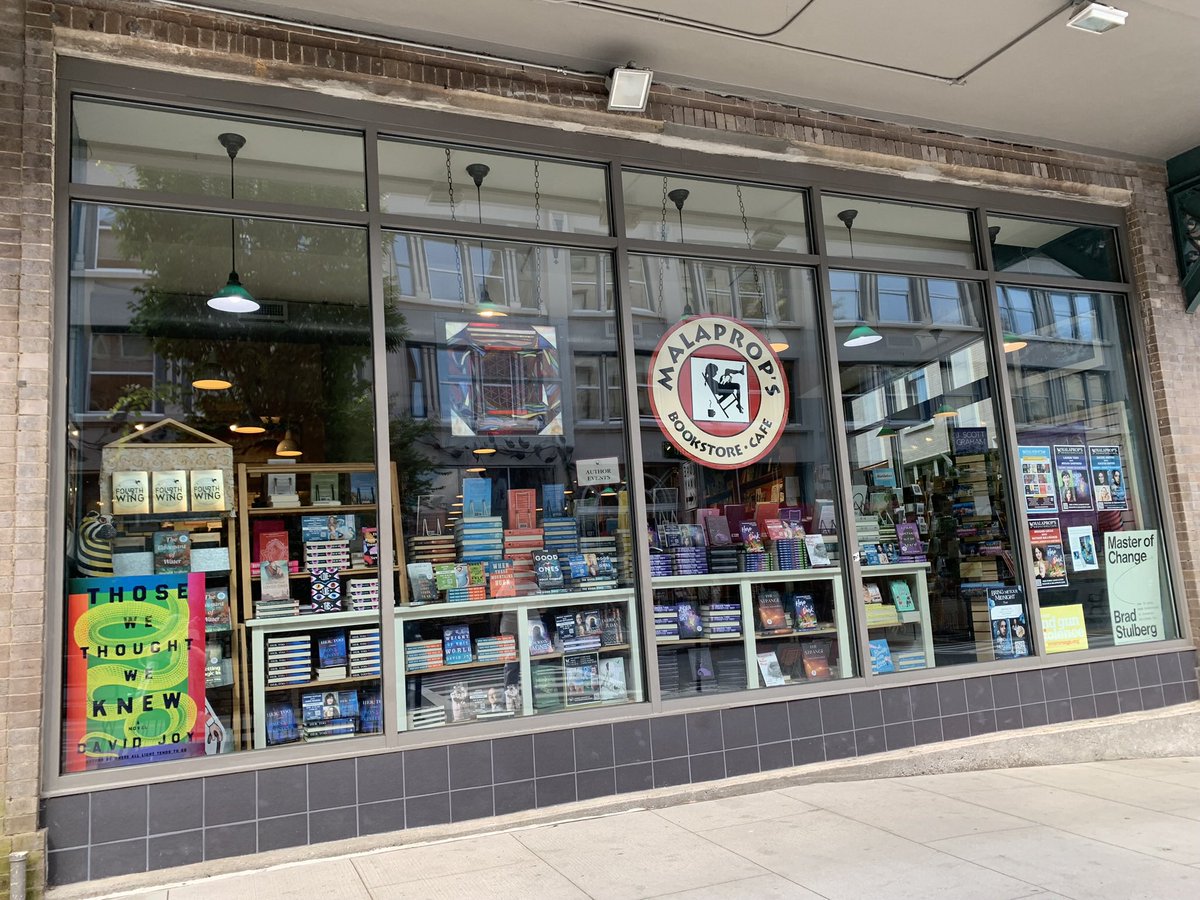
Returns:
point(1010, 632)
point(1074, 485)
point(1108, 478)
point(1134, 601)
point(1049, 561)
point(1083, 548)
point(1064, 628)
point(135, 670)
point(1038, 476)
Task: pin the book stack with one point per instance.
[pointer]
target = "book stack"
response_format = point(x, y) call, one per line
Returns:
point(666, 623)
point(908, 659)
point(668, 669)
point(519, 546)
point(721, 619)
point(269, 608)
point(625, 540)
point(426, 717)
point(289, 659)
point(326, 590)
point(502, 648)
point(464, 594)
point(880, 615)
point(591, 571)
point(548, 687)
point(364, 652)
point(560, 534)
point(662, 565)
point(887, 534)
point(327, 554)
point(421, 656)
point(432, 548)
point(456, 645)
point(723, 559)
point(577, 632)
point(364, 594)
point(329, 715)
point(731, 671)
point(480, 539)
point(866, 532)
point(331, 656)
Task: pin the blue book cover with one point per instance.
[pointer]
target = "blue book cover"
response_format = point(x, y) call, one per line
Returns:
point(328, 528)
point(281, 724)
point(370, 720)
point(554, 500)
point(881, 657)
point(362, 487)
point(477, 497)
point(331, 649)
point(456, 644)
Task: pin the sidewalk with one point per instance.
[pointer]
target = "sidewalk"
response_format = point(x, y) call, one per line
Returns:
point(1106, 830)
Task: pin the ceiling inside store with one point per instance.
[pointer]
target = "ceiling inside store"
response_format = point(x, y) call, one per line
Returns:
point(1117, 92)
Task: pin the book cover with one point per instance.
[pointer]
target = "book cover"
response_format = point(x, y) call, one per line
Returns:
point(370, 712)
point(564, 627)
point(1083, 548)
point(456, 644)
point(328, 528)
point(612, 678)
point(815, 655)
point(881, 656)
point(172, 553)
point(502, 584)
point(768, 665)
point(554, 500)
point(362, 487)
point(522, 507)
point(329, 707)
point(1049, 561)
point(323, 489)
point(718, 531)
point(581, 678)
point(539, 638)
point(764, 511)
point(281, 484)
point(273, 565)
point(826, 521)
point(547, 570)
point(770, 612)
point(420, 581)
point(775, 530)
point(216, 610)
point(908, 536)
point(690, 625)
point(446, 576)
point(370, 546)
point(818, 555)
point(208, 490)
point(902, 597)
point(791, 661)
point(613, 629)
point(130, 493)
point(170, 491)
point(871, 593)
point(281, 723)
point(325, 589)
point(331, 650)
point(477, 498)
point(804, 612)
point(587, 623)
point(751, 537)
point(700, 662)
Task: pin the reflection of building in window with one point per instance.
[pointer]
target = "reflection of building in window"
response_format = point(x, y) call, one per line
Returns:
point(598, 387)
point(845, 294)
point(117, 362)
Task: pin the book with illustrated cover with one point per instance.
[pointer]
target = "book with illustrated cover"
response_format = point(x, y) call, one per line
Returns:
point(216, 610)
point(273, 565)
point(751, 537)
point(281, 724)
point(539, 638)
point(325, 588)
point(170, 491)
point(208, 490)
point(331, 650)
point(588, 624)
point(502, 584)
point(881, 657)
point(547, 570)
point(871, 592)
point(522, 508)
point(902, 597)
point(564, 627)
point(818, 555)
point(477, 498)
point(770, 612)
point(130, 493)
point(718, 531)
point(328, 528)
point(613, 629)
point(370, 712)
point(815, 655)
point(908, 536)
point(172, 552)
point(690, 624)
point(370, 547)
point(768, 665)
point(775, 529)
point(329, 708)
point(456, 644)
point(420, 581)
point(804, 612)
point(612, 678)
point(581, 678)
point(554, 500)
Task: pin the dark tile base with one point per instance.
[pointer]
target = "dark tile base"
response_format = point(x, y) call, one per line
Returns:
point(244, 813)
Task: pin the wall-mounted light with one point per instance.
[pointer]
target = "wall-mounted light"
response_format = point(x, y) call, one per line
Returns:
point(1097, 18)
point(628, 88)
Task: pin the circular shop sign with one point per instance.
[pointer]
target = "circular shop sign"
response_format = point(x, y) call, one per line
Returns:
point(718, 391)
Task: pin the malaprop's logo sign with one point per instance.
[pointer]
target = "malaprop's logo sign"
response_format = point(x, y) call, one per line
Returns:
point(718, 392)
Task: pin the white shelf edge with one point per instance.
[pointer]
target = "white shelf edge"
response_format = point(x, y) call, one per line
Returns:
point(525, 601)
point(716, 579)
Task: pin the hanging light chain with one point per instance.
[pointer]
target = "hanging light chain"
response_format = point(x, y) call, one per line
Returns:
point(458, 263)
point(750, 246)
point(537, 224)
point(450, 187)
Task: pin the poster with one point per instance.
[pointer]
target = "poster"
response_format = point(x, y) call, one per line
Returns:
point(1038, 477)
point(1108, 478)
point(1134, 601)
point(1083, 548)
point(1010, 632)
point(135, 670)
point(969, 441)
point(1049, 561)
point(1074, 485)
point(1063, 628)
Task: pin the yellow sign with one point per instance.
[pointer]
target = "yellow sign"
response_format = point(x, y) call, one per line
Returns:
point(1063, 628)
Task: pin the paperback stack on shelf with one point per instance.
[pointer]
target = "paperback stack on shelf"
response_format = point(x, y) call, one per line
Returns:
point(467, 593)
point(329, 714)
point(501, 648)
point(721, 619)
point(364, 652)
point(866, 530)
point(421, 656)
point(480, 538)
point(272, 608)
point(722, 553)
point(907, 659)
point(289, 659)
point(331, 656)
point(560, 534)
point(591, 571)
point(881, 614)
point(625, 540)
point(662, 565)
point(519, 546)
point(731, 671)
point(426, 717)
point(364, 594)
point(666, 623)
point(327, 554)
point(432, 548)
point(668, 668)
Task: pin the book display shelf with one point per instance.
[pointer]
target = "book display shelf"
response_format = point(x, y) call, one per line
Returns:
point(310, 573)
point(895, 606)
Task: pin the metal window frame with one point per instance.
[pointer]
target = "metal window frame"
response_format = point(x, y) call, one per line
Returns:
point(379, 121)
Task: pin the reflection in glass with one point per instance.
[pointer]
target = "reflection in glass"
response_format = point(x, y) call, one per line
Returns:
point(1069, 250)
point(1085, 463)
point(874, 229)
point(931, 521)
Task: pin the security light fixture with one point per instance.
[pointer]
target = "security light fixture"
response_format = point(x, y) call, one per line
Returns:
point(628, 88)
point(232, 298)
point(1097, 18)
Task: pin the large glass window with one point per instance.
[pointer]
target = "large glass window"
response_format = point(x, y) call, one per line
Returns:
point(856, 227)
point(940, 581)
point(1096, 537)
point(1037, 247)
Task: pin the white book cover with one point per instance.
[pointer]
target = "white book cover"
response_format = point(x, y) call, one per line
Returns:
point(130, 493)
point(170, 491)
point(612, 678)
point(768, 664)
point(208, 490)
point(1083, 548)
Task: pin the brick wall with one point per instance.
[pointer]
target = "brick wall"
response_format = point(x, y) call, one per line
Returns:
point(142, 34)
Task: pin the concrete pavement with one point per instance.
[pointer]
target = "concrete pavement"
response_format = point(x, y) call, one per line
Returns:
point(1119, 829)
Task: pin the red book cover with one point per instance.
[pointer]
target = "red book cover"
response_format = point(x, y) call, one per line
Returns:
point(764, 511)
point(735, 513)
point(260, 527)
point(774, 529)
point(522, 508)
point(273, 565)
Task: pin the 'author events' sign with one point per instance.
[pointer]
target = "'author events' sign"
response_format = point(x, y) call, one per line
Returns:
point(718, 391)
point(1134, 601)
point(135, 670)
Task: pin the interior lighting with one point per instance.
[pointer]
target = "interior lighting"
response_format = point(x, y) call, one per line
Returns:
point(862, 336)
point(232, 298)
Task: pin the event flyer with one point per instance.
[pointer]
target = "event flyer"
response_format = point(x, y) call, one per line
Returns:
point(1038, 476)
point(1074, 485)
point(1064, 628)
point(1083, 548)
point(1108, 478)
point(135, 670)
point(1010, 633)
point(1049, 561)
point(1134, 598)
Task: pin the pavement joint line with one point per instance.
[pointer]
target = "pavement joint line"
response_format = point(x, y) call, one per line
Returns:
point(767, 870)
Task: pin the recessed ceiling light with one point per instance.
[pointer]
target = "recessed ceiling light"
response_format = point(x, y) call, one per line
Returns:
point(1098, 18)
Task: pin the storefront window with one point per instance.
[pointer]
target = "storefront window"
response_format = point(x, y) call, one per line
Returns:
point(744, 546)
point(220, 509)
point(940, 583)
point(858, 228)
point(517, 599)
point(1036, 247)
point(1096, 535)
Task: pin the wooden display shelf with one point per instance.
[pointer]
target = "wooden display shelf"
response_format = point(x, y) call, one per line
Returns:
point(317, 685)
point(474, 664)
point(557, 654)
point(311, 510)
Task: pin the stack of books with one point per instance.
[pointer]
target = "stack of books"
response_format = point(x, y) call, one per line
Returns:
point(578, 632)
point(502, 648)
point(560, 534)
point(721, 619)
point(269, 608)
point(431, 548)
point(909, 658)
point(480, 539)
point(326, 555)
point(591, 571)
point(464, 594)
point(364, 594)
point(662, 565)
point(426, 717)
point(289, 659)
point(421, 656)
point(519, 546)
point(329, 715)
point(331, 656)
point(666, 623)
point(364, 652)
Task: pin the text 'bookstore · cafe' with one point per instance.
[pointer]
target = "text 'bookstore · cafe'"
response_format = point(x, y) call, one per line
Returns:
point(414, 478)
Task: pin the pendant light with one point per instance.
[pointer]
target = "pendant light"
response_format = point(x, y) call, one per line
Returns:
point(248, 425)
point(487, 309)
point(776, 339)
point(887, 431)
point(288, 446)
point(679, 197)
point(232, 298)
point(847, 217)
point(945, 411)
point(209, 377)
point(862, 336)
point(1014, 342)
